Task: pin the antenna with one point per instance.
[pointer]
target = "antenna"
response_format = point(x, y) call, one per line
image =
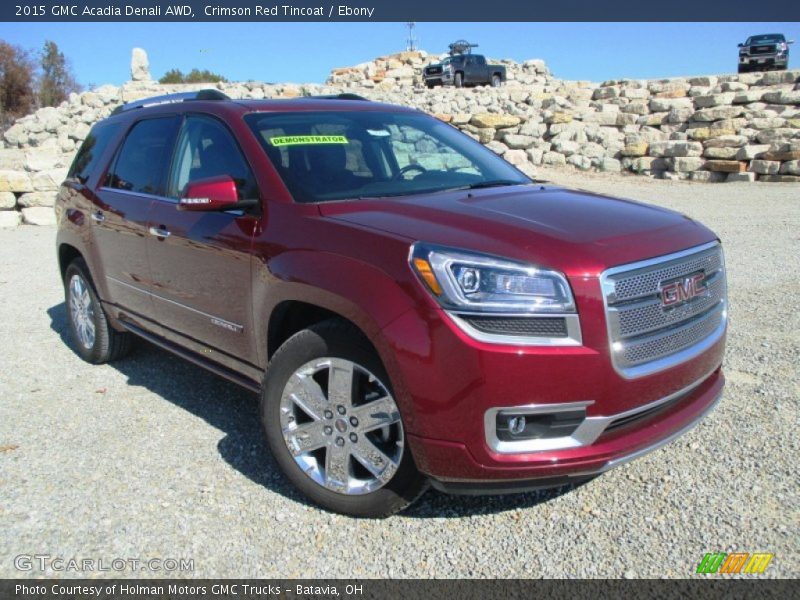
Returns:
point(411, 40)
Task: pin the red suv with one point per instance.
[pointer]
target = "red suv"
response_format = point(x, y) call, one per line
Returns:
point(410, 308)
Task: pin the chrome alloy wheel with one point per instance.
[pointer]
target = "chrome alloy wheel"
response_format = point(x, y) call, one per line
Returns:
point(81, 310)
point(341, 426)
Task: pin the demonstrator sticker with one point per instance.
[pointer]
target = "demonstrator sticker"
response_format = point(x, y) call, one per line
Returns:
point(294, 140)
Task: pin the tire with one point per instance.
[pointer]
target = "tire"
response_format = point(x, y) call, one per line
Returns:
point(92, 336)
point(743, 69)
point(458, 80)
point(496, 81)
point(326, 438)
point(430, 86)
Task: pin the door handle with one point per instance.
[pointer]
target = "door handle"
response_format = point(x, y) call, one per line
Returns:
point(159, 232)
point(98, 216)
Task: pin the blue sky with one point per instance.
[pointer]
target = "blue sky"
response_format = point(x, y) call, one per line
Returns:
point(305, 52)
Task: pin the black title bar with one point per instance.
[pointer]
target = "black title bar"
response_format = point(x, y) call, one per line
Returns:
point(712, 588)
point(398, 10)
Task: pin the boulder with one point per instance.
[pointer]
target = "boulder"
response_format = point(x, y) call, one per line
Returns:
point(742, 177)
point(140, 65)
point(37, 199)
point(7, 200)
point(15, 181)
point(791, 167)
point(687, 163)
point(675, 148)
point(497, 121)
point(717, 113)
point(38, 215)
point(765, 167)
point(9, 218)
point(726, 166)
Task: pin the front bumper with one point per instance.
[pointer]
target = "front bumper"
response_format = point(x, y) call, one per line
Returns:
point(763, 60)
point(445, 78)
point(605, 459)
point(445, 382)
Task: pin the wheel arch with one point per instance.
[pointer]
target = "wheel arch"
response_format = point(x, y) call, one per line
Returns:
point(66, 254)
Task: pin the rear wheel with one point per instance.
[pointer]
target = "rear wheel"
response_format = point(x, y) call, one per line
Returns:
point(93, 337)
point(333, 425)
point(496, 81)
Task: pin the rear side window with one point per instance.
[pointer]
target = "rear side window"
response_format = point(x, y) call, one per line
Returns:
point(91, 150)
point(143, 160)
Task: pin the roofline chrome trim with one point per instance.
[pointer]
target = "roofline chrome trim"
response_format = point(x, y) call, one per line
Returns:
point(587, 432)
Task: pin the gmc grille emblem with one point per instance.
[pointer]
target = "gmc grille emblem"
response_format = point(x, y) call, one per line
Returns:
point(682, 290)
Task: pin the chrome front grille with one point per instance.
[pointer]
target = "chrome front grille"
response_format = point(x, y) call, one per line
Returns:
point(645, 335)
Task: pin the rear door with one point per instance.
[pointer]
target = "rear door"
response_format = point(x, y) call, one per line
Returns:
point(200, 262)
point(136, 177)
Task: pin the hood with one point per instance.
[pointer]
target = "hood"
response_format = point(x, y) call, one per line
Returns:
point(576, 232)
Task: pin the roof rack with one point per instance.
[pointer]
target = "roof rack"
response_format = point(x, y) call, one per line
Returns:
point(343, 96)
point(461, 47)
point(171, 99)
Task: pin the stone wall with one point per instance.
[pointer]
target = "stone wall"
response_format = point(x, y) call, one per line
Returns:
point(709, 129)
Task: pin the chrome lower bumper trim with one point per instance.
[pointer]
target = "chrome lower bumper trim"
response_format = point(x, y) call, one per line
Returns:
point(587, 432)
point(663, 442)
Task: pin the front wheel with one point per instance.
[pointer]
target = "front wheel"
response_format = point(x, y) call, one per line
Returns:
point(333, 425)
point(496, 81)
point(94, 339)
point(458, 81)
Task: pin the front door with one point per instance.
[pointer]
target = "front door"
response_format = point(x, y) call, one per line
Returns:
point(200, 263)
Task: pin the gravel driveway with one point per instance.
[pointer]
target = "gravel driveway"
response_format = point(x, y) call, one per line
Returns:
point(155, 458)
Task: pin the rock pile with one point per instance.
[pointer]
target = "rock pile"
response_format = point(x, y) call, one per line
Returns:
point(711, 129)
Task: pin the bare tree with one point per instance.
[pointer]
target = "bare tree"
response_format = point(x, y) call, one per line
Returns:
point(17, 96)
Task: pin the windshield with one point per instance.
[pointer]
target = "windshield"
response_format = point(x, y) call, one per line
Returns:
point(768, 38)
point(328, 155)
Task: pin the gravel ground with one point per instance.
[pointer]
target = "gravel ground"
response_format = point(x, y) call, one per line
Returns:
point(153, 457)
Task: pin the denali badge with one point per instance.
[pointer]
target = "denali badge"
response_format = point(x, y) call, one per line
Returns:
point(681, 290)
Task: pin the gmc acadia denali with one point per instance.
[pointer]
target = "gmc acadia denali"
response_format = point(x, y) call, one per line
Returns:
point(411, 308)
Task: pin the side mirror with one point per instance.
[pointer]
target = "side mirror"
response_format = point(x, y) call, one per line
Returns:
point(211, 194)
point(740, 45)
point(790, 42)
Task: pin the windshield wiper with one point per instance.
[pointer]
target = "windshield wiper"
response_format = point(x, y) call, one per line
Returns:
point(487, 184)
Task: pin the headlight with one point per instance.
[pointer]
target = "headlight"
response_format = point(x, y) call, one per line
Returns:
point(467, 281)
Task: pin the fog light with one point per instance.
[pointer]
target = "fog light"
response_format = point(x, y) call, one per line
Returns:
point(516, 425)
point(513, 426)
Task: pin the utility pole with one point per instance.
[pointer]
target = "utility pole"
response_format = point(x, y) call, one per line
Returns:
point(411, 40)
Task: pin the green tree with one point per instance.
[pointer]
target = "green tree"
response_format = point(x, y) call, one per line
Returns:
point(57, 81)
point(17, 95)
point(172, 76)
point(193, 76)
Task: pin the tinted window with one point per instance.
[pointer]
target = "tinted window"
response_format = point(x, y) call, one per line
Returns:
point(331, 155)
point(91, 150)
point(143, 160)
point(206, 149)
point(767, 38)
point(480, 60)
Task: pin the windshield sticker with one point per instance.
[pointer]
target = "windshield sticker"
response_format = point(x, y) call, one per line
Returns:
point(378, 132)
point(294, 140)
